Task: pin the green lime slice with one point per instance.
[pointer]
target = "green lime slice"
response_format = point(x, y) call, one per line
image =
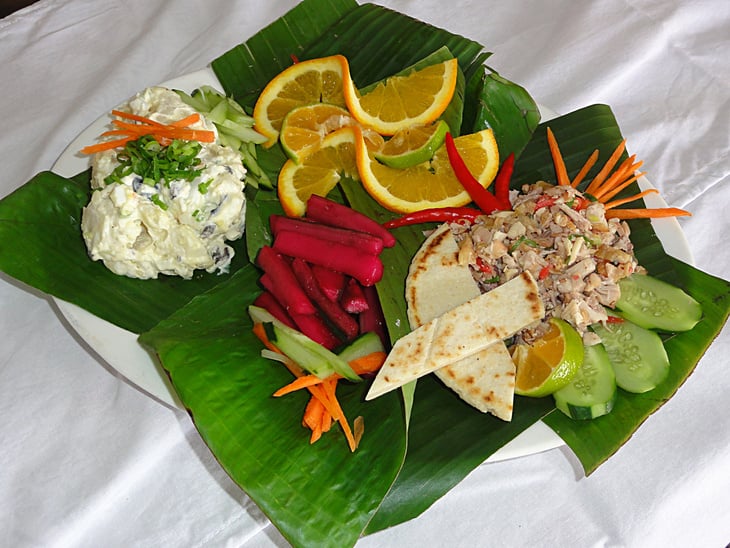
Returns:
point(413, 145)
point(550, 363)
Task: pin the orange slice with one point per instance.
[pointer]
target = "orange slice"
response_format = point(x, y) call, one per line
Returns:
point(417, 98)
point(305, 127)
point(320, 170)
point(313, 81)
point(431, 183)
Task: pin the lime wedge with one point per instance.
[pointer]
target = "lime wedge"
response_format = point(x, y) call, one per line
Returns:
point(413, 145)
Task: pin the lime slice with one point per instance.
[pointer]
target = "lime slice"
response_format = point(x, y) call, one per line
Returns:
point(550, 363)
point(413, 145)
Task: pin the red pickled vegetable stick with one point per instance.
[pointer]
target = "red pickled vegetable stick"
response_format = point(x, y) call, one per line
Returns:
point(267, 301)
point(330, 281)
point(646, 213)
point(590, 162)
point(284, 284)
point(361, 240)
point(484, 199)
point(331, 309)
point(353, 299)
point(366, 268)
point(502, 181)
point(314, 327)
point(331, 213)
point(435, 214)
point(372, 319)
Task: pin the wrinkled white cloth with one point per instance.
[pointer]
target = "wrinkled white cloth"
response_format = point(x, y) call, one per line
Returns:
point(88, 459)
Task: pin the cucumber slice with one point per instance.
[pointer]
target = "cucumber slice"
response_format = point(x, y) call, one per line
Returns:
point(592, 391)
point(654, 304)
point(365, 344)
point(637, 355)
point(302, 350)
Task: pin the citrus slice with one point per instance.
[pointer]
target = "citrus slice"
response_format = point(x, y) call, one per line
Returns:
point(312, 81)
point(550, 363)
point(318, 171)
point(305, 127)
point(431, 183)
point(400, 101)
point(413, 145)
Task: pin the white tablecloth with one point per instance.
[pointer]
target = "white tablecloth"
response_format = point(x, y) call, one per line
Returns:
point(86, 459)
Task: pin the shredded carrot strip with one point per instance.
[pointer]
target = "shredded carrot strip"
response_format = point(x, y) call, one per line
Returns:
point(312, 419)
point(646, 213)
point(301, 382)
point(618, 188)
point(606, 169)
point(136, 118)
point(615, 203)
point(140, 126)
point(339, 415)
point(560, 171)
point(626, 169)
point(590, 162)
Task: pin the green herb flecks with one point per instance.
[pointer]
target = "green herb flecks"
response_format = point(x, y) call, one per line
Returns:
point(156, 163)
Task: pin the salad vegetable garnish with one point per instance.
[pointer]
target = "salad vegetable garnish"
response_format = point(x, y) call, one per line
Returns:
point(162, 133)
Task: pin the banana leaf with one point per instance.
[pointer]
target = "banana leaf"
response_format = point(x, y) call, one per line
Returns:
point(316, 495)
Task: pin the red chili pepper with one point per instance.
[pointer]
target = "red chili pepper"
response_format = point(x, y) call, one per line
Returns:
point(484, 266)
point(614, 319)
point(501, 182)
point(481, 196)
point(294, 58)
point(544, 272)
point(580, 203)
point(436, 214)
point(544, 201)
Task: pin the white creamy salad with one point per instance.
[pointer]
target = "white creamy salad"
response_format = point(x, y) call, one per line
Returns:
point(141, 229)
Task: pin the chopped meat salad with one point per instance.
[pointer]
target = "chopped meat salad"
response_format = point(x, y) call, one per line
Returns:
point(565, 241)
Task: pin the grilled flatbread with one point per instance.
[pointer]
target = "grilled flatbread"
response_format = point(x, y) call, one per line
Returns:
point(455, 327)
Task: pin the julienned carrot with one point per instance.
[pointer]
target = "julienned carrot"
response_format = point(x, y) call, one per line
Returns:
point(622, 201)
point(606, 169)
point(163, 133)
point(324, 392)
point(590, 162)
point(653, 213)
point(560, 171)
point(369, 363)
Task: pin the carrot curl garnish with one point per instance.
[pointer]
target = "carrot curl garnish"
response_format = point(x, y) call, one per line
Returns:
point(132, 127)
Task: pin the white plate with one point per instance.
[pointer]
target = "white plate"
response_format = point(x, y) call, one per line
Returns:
point(121, 351)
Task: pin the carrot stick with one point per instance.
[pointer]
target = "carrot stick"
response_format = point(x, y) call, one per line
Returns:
point(136, 118)
point(106, 145)
point(653, 213)
point(626, 168)
point(297, 384)
point(188, 120)
point(362, 365)
point(560, 171)
point(606, 169)
point(615, 203)
point(312, 418)
point(590, 162)
point(605, 196)
point(338, 414)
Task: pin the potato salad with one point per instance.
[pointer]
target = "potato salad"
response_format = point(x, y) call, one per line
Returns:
point(177, 216)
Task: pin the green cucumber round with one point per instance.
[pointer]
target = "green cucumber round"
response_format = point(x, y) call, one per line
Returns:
point(592, 391)
point(654, 304)
point(637, 355)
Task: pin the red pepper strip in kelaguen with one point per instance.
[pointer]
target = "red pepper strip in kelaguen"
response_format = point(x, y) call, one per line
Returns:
point(436, 214)
point(480, 195)
point(501, 182)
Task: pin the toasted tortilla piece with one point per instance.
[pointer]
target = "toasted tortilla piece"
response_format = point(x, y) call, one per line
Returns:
point(460, 332)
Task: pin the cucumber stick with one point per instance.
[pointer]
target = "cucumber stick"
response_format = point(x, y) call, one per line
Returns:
point(654, 304)
point(364, 344)
point(637, 355)
point(308, 354)
point(592, 391)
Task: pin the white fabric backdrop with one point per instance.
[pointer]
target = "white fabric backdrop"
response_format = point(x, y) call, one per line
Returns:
point(88, 459)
